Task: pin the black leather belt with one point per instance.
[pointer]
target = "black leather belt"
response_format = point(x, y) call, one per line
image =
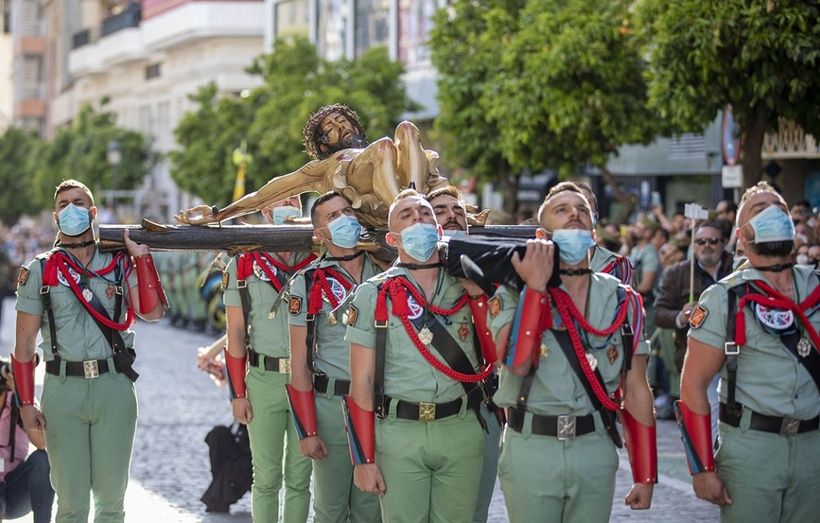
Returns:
point(268, 363)
point(83, 369)
point(321, 381)
point(428, 412)
point(785, 426)
point(562, 427)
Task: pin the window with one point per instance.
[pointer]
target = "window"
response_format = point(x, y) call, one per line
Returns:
point(415, 23)
point(153, 71)
point(292, 19)
point(372, 26)
point(332, 35)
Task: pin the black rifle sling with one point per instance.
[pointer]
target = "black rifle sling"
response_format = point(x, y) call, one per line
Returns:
point(607, 416)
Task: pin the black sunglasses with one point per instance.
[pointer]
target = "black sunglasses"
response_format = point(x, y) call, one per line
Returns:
point(710, 241)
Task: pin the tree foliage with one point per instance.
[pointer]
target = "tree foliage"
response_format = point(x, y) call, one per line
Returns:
point(16, 151)
point(296, 81)
point(760, 57)
point(81, 152)
point(540, 83)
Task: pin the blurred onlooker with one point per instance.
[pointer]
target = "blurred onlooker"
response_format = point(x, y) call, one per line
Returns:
point(646, 264)
point(726, 210)
point(670, 253)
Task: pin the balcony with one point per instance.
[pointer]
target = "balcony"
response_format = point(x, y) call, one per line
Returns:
point(128, 17)
point(80, 39)
point(789, 142)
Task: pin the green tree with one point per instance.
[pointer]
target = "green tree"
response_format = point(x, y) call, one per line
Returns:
point(541, 83)
point(760, 57)
point(16, 150)
point(296, 82)
point(81, 152)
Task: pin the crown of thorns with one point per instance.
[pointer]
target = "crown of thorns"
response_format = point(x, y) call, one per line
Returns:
point(312, 132)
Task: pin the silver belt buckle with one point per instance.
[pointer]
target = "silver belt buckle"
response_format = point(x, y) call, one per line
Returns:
point(91, 369)
point(566, 427)
point(284, 365)
point(731, 348)
point(789, 427)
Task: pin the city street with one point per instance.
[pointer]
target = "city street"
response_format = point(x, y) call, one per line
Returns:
point(179, 405)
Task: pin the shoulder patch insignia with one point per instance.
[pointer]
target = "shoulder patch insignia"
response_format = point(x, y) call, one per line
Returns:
point(225, 280)
point(494, 306)
point(295, 305)
point(22, 277)
point(352, 315)
point(698, 316)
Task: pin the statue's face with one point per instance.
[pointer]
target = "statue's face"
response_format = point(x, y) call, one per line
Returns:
point(449, 213)
point(336, 129)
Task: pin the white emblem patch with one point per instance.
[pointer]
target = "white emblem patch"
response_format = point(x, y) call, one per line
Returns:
point(74, 275)
point(257, 270)
point(415, 309)
point(777, 319)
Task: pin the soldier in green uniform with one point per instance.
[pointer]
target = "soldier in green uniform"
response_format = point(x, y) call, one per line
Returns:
point(758, 328)
point(451, 214)
point(83, 300)
point(576, 360)
point(258, 365)
point(413, 362)
point(318, 298)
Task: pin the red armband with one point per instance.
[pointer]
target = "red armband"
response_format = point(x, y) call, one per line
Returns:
point(24, 379)
point(696, 434)
point(303, 410)
point(360, 425)
point(527, 329)
point(478, 306)
point(148, 283)
point(236, 375)
point(643, 449)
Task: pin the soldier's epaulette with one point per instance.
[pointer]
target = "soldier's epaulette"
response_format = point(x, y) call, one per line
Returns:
point(732, 280)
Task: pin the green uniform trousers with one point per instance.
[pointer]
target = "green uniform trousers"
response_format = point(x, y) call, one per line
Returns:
point(770, 478)
point(489, 471)
point(431, 470)
point(89, 433)
point(273, 436)
point(336, 498)
point(545, 479)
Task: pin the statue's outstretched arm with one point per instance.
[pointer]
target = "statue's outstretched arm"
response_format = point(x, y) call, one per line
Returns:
point(309, 177)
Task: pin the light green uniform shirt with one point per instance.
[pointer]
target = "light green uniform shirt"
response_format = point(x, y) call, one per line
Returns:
point(332, 353)
point(269, 311)
point(770, 380)
point(645, 259)
point(556, 389)
point(407, 375)
point(78, 337)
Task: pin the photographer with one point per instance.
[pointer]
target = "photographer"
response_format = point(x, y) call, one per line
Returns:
point(24, 484)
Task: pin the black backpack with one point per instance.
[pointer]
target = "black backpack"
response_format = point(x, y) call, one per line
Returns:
point(230, 452)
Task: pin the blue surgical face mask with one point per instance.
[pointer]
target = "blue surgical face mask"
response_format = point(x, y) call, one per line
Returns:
point(772, 225)
point(281, 214)
point(419, 241)
point(344, 231)
point(573, 244)
point(73, 220)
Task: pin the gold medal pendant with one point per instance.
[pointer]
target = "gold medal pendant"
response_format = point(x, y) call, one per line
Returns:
point(612, 354)
point(463, 332)
point(425, 335)
point(803, 347)
point(331, 319)
point(593, 362)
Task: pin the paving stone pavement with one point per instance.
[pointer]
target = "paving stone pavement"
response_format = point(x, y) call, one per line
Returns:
point(179, 405)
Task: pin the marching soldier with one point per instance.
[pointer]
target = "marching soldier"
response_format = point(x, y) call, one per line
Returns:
point(318, 298)
point(414, 364)
point(258, 365)
point(758, 328)
point(87, 300)
point(576, 359)
point(451, 215)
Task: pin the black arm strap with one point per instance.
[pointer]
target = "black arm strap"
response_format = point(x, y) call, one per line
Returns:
point(310, 320)
point(245, 299)
point(607, 416)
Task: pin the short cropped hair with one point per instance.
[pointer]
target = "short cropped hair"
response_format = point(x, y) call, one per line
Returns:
point(69, 184)
point(760, 187)
point(326, 197)
point(558, 189)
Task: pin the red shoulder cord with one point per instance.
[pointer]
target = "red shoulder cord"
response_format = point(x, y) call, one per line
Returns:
point(320, 287)
point(776, 300)
point(397, 288)
point(244, 266)
point(569, 312)
point(59, 261)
